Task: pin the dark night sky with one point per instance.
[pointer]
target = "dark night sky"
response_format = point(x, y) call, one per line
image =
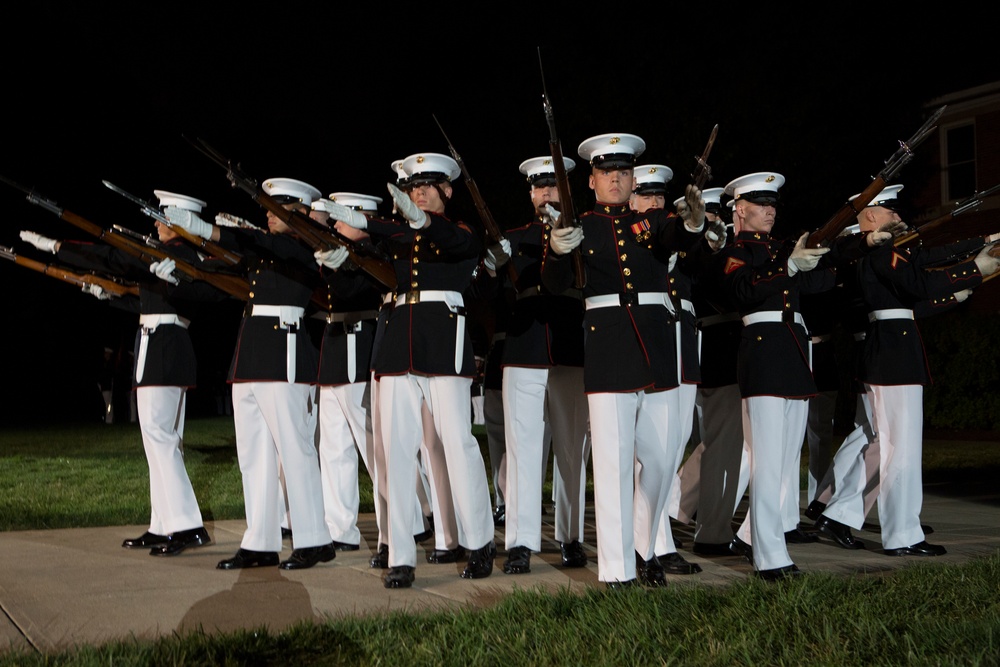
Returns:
point(91, 97)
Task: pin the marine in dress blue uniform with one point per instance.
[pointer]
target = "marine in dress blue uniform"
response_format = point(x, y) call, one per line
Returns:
point(898, 284)
point(542, 389)
point(424, 363)
point(164, 370)
point(273, 373)
point(630, 354)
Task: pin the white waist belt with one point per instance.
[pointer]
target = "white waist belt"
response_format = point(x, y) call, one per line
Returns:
point(154, 320)
point(352, 325)
point(289, 318)
point(455, 304)
point(388, 298)
point(770, 316)
point(147, 325)
point(687, 305)
point(636, 298)
point(890, 314)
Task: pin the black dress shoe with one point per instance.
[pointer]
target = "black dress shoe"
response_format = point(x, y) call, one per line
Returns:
point(145, 541)
point(345, 546)
point(248, 558)
point(814, 510)
point(500, 515)
point(380, 561)
point(918, 549)
point(779, 573)
point(711, 549)
point(424, 536)
point(181, 540)
point(927, 529)
point(741, 548)
point(518, 561)
point(838, 532)
point(621, 585)
point(573, 554)
point(306, 557)
point(480, 563)
point(649, 572)
point(401, 576)
point(286, 533)
point(439, 556)
point(798, 536)
point(674, 563)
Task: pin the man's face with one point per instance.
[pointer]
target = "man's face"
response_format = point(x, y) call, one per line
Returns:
point(751, 217)
point(612, 186)
point(322, 217)
point(542, 195)
point(276, 226)
point(874, 217)
point(164, 232)
point(643, 203)
point(428, 198)
point(350, 232)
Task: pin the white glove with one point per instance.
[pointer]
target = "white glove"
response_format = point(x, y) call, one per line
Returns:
point(96, 290)
point(188, 221)
point(672, 262)
point(693, 213)
point(406, 207)
point(886, 233)
point(331, 259)
point(497, 255)
point(344, 214)
point(41, 242)
point(553, 214)
point(803, 258)
point(962, 295)
point(164, 270)
point(993, 238)
point(987, 263)
point(564, 239)
point(716, 235)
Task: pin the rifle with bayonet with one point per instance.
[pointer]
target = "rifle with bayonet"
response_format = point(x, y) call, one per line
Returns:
point(847, 215)
point(112, 287)
point(702, 173)
point(961, 207)
point(227, 282)
point(305, 227)
point(207, 245)
point(493, 235)
point(567, 217)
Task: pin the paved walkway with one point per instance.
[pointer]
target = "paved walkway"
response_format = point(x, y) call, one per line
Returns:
point(62, 588)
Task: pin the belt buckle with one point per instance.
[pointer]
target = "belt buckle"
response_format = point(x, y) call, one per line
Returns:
point(412, 298)
point(628, 299)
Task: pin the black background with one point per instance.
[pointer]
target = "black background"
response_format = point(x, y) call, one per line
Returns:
point(93, 95)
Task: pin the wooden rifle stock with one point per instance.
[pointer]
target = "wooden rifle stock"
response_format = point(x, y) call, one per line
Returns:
point(702, 172)
point(961, 207)
point(71, 277)
point(326, 239)
point(493, 235)
point(567, 210)
point(302, 225)
point(230, 284)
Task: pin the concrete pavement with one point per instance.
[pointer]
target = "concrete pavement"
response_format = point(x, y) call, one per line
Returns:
point(63, 588)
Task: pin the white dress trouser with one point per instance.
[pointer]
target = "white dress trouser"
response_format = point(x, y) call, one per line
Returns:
point(851, 485)
point(344, 428)
point(683, 501)
point(401, 399)
point(380, 477)
point(529, 394)
point(774, 429)
point(631, 437)
point(898, 420)
point(276, 421)
point(171, 496)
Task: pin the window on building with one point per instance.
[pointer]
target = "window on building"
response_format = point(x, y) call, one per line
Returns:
point(960, 155)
